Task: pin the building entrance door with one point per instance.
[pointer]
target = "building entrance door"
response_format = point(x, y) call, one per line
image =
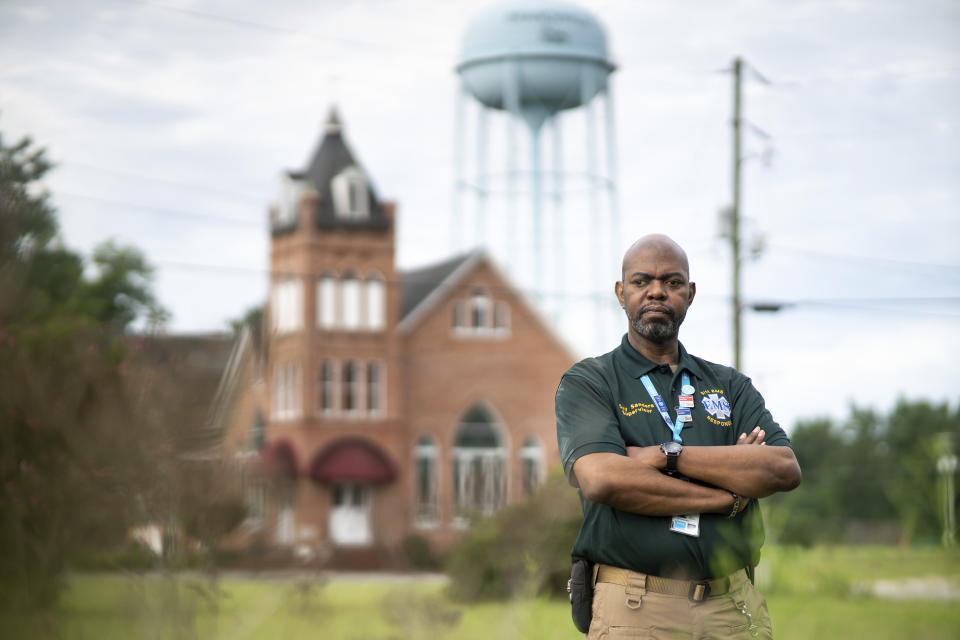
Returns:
point(350, 515)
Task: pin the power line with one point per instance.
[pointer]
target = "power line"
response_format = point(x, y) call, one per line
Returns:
point(863, 258)
point(213, 218)
point(261, 26)
point(163, 210)
point(245, 197)
point(596, 297)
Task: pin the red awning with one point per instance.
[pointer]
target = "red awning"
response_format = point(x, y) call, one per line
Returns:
point(352, 460)
point(279, 458)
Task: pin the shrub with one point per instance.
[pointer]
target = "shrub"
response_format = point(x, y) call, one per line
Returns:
point(523, 550)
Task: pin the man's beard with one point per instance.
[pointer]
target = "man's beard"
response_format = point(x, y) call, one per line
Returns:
point(657, 330)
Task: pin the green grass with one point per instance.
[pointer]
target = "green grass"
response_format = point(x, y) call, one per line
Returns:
point(808, 591)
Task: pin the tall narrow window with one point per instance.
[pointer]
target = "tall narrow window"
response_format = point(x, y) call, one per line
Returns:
point(258, 435)
point(350, 194)
point(425, 463)
point(325, 387)
point(479, 307)
point(285, 391)
point(291, 190)
point(373, 387)
point(286, 305)
point(376, 304)
point(479, 480)
point(350, 298)
point(350, 390)
point(327, 302)
point(531, 457)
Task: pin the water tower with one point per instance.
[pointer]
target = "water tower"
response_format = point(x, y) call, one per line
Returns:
point(524, 66)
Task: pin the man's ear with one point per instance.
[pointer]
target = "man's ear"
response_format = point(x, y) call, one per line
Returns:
point(693, 292)
point(618, 289)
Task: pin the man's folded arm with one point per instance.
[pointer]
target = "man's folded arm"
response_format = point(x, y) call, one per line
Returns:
point(631, 485)
point(750, 468)
point(753, 471)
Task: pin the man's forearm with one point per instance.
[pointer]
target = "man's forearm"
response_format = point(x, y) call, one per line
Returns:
point(634, 486)
point(751, 471)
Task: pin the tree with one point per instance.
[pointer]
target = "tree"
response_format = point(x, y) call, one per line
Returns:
point(74, 453)
point(873, 470)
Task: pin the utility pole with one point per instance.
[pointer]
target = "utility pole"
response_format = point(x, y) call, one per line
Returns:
point(735, 209)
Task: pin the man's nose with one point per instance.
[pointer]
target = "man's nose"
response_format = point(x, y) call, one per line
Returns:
point(655, 289)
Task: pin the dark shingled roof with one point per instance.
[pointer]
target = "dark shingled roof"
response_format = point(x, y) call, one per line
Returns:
point(331, 157)
point(419, 283)
point(184, 372)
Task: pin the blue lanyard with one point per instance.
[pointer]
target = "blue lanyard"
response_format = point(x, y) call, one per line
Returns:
point(674, 427)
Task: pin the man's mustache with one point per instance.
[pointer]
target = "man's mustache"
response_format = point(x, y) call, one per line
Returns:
point(655, 307)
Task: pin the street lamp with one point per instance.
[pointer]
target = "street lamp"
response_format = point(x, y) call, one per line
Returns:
point(947, 466)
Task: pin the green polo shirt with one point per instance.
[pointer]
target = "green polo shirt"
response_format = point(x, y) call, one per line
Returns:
point(602, 406)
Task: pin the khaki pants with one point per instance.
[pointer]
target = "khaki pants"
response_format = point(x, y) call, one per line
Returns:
point(739, 613)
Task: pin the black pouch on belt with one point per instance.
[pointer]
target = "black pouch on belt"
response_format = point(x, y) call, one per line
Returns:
point(580, 588)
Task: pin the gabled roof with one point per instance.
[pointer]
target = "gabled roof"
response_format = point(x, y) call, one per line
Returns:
point(418, 284)
point(330, 158)
point(424, 288)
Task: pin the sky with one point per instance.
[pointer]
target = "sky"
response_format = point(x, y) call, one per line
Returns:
point(171, 122)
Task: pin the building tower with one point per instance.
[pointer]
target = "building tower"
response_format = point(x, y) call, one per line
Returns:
point(524, 65)
point(332, 367)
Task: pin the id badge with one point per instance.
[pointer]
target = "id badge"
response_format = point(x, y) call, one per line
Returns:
point(687, 525)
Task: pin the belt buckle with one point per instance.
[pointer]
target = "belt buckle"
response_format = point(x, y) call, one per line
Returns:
point(699, 591)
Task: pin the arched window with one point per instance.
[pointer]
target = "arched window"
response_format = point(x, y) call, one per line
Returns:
point(425, 465)
point(327, 302)
point(479, 478)
point(350, 298)
point(376, 304)
point(531, 457)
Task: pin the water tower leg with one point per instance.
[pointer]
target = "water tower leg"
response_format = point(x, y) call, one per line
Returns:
point(536, 231)
point(456, 238)
point(616, 247)
point(587, 92)
point(511, 99)
point(559, 248)
point(480, 220)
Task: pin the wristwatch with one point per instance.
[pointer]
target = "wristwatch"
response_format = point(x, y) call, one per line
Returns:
point(672, 450)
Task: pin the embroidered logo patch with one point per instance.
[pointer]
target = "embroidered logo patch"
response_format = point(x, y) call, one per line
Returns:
point(716, 405)
point(636, 407)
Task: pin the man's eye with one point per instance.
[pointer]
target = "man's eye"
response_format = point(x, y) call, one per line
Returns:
point(675, 283)
point(640, 283)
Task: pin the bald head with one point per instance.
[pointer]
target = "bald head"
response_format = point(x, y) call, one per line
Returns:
point(656, 243)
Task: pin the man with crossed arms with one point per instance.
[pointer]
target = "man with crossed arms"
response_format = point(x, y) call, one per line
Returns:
point(670, 454)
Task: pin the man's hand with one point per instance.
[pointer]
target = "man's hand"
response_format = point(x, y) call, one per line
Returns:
point(754, 437)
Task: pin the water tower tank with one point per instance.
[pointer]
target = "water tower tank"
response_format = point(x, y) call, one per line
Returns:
point(528, 71)
point(536, 58)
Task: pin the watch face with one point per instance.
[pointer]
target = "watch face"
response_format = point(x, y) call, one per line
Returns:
point(672, 447)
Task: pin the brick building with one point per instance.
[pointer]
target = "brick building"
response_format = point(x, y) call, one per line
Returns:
point(375, 403)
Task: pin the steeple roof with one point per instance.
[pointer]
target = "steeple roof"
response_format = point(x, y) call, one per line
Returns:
point(331, 157)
